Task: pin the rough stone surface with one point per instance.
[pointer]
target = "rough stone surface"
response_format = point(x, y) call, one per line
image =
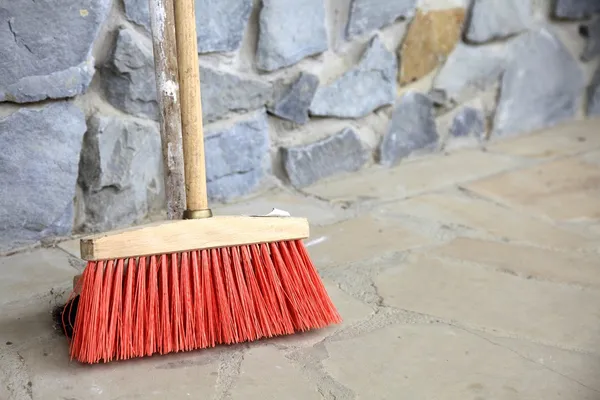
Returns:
point(46, 48)
point(38, 171)
point(364, 88)
point(431, 36)
point(223, 92)
point(120, 172)
point(470, 69)
point(591, 33)
point(342, 152)
point(129, 75)
point(536, 92)
point(468, 122)
point(293, 103)
point(220, 24)
point(497, 19)
point(593, 95)
point(575, 9)
point(237, 158)
point(368, 15)
point(412, 127)
point(290, 30)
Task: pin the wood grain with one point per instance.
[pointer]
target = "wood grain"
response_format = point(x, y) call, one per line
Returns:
point(193, 234)
point(191, 106)
point(162, 19)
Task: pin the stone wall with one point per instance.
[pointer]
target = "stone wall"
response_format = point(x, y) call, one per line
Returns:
point(293, 91)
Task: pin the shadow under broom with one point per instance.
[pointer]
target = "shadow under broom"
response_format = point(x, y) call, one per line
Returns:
point(198, 282)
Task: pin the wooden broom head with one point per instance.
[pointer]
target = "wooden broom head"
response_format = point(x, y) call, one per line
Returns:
point(194, 234)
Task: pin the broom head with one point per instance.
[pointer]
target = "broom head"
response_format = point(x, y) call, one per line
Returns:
point(184, 285)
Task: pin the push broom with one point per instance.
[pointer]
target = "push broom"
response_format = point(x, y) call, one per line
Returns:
point(197, 282)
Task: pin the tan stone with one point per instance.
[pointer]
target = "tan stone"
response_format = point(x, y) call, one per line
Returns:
point(441, 362)
point(561, 140)
point(565, 189)
point(266, 374)
point(525, 261)
point(418, 176)
point(546, 312)
point(360, 239)
point(450, 207)
point(431, 37)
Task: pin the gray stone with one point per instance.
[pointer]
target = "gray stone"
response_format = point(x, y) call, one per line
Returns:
point(237, 158)
point(293, 103)
point(47, 48)
point(138, 12)
point(468, 122)
point(220, 24)
point(498, 19)
point(593, 96)
point(120, 172)
point(591, 32)
point(541, 86)
point(369, 15)
point(369, 85)
point(38, 171)
point(470, 69)
point(412, 128)
point(129, 75)
point(290, 30)
point(223, 92)
point(575, 9)
point(307, 164)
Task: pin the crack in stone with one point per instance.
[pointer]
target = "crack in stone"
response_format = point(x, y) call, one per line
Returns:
point(22, 44)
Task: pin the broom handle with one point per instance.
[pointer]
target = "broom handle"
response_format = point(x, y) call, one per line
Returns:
point(191, 110)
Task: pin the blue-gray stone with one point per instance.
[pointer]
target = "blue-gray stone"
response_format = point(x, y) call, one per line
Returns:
point(338, 153)
point(468, 122)
point(290, 30)
point(366, 87)
point(412, 128)
point(498, 19)
point(369, 15)
point(46, 48)
point(576, 9)
point(294, 101)
point(541, 85)
point(591, 33)
point(593, 96)
point(38, 170)
point(237, 158)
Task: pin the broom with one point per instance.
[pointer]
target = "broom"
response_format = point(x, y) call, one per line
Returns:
point(201, 281)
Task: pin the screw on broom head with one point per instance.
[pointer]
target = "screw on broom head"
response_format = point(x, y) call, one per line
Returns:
point(214, 293)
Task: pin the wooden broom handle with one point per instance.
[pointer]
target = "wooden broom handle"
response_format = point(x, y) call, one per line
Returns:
point(191, 110)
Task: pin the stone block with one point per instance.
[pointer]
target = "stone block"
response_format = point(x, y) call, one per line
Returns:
point(368, 15)
point(575, 9)
point(591, 33)
point(307, 164)
point(138, 12)
point(470, 69)
point(541, 85)
point(237, 158)
point(431, 37)
point(468, 122)
point(129, 80)
point(294, 101)
point(290, 30)
point(120, 172)
point(47, 48)
point(38, 171)
point(361, 90)
point(593, 95)
point(498, 19)
point(412, 127)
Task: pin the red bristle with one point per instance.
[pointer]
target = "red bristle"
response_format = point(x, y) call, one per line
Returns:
point(152, 313)
point(139, 334)
point(198, 305)
point(224, 320)
point(198, 299)
point(247, 310)
point(165, 315)
point(209, 300)
point(187, 311)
